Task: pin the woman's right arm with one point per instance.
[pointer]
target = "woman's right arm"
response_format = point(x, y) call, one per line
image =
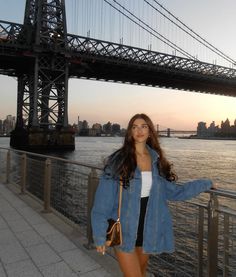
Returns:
point(102, 208)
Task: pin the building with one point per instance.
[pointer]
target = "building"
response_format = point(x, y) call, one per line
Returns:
point(8, 125)
point(225, 131)
point(107, 128)
point(201, 129)
point(115, 129)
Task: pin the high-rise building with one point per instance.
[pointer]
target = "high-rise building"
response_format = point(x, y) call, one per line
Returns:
point(115, 128)
point(201, 129)
point(85, 124)
point(97, 126)
point(107, 127)
point(9, 124)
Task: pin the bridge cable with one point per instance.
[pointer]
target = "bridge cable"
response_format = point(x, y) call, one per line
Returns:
point(167, 42)
point(198, 37)
point(102, 16)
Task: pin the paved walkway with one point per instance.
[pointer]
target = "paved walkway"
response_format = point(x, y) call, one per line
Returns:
point(31, 245)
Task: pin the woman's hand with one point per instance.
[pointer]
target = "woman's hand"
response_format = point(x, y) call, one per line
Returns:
point(101, 249)
point(214, 186)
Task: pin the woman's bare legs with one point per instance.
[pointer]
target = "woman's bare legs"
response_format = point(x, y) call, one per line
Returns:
point(133, 264)
point(143, 260)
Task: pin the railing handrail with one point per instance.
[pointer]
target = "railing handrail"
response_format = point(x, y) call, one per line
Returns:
point(226, 210)
point(224, 193)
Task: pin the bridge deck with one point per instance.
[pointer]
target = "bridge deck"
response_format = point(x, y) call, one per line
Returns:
point(107, 61)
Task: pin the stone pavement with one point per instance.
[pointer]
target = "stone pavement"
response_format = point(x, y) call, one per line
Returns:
point(34, 244)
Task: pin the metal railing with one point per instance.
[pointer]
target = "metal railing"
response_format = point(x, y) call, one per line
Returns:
point(205, 229)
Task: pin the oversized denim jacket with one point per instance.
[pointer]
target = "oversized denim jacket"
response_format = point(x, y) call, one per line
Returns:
point(158, 232)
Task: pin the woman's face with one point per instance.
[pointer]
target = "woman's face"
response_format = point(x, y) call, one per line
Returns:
point(140, 131)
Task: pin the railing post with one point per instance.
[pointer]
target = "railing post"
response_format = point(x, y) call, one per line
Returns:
point(23, 173)
point(92, 186)
point(226, 246)
point(47, 186)
point(200, 240)
point(8, 166)
point(212, 249)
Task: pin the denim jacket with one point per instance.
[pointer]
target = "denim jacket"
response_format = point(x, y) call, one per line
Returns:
point(158, 231)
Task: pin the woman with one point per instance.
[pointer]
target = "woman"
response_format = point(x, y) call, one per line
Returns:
point(148, 183)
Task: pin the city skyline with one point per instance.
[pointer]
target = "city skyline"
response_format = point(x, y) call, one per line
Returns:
point(160, 127)
point(97, 101)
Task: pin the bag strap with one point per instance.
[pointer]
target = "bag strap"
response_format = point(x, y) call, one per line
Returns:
point(120, 199)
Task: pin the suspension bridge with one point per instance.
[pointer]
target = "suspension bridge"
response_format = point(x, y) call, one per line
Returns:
point(179, 133)
point(43, 55)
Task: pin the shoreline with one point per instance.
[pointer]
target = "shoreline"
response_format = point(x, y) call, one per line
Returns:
point(208, 138)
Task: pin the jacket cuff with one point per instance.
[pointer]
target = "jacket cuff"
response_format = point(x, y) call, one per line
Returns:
point(99, 241)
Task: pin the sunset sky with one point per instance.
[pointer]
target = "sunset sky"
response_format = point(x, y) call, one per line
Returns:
point(101, 101)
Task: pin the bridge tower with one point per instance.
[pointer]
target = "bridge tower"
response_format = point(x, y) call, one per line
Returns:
point(42, 94)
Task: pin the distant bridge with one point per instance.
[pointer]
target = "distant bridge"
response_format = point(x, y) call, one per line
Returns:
point(170, 132)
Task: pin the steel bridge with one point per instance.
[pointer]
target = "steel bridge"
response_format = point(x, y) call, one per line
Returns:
point(43, 56)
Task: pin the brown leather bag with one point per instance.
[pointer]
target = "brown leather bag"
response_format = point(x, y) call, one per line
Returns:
point(114, 230)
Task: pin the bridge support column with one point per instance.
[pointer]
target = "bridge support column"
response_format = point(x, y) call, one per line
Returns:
point(42, 112)
point(168, 132)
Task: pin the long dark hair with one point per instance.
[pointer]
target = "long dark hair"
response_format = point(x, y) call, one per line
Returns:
point(123, 162)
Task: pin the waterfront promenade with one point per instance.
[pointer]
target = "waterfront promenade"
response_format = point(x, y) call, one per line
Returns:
point(35, 244)
point(58, 241)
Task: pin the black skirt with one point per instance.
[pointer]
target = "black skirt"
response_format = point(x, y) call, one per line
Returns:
point(143, 206)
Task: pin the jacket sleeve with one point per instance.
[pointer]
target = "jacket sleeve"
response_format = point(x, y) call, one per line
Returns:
point(102, 208)
point(187, 190)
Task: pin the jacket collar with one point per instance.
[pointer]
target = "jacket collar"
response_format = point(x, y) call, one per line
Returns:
point(154, 157)
point(153, 153)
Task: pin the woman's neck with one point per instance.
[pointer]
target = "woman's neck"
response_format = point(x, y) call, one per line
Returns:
point(141, 149)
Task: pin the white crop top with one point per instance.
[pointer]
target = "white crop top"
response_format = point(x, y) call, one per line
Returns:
point(146, 183)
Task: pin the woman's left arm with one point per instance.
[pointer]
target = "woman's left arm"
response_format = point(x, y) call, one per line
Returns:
point(187, 190)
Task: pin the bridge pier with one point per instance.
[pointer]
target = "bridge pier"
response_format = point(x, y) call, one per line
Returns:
point(168, 132)
point(35, 139)
point(42, 94)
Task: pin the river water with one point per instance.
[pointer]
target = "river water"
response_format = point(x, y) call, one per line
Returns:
point(215, 159)
point(192, 158)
